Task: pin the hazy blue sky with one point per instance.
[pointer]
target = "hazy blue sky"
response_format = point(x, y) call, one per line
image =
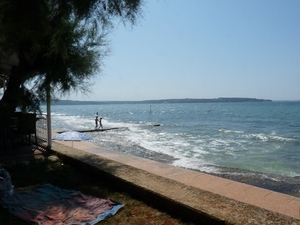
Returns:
point(205, 49)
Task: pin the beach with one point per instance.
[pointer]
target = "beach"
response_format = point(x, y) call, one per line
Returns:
point(253, 143)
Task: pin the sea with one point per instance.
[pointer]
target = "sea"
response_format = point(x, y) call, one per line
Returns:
point(252, 142)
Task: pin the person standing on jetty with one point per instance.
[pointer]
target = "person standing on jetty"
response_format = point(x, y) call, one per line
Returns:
point(100, 124)
point(96, 121)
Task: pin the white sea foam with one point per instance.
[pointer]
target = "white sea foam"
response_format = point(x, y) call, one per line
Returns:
point(231, 131)
point(195, 164)
point(267, 137)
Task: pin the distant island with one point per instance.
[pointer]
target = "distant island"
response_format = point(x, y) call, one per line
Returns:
point(185, 100)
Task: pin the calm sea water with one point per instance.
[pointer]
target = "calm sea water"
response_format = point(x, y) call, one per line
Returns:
point(261, 139)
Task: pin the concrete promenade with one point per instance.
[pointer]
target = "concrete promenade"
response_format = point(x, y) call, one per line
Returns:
point(222, 200)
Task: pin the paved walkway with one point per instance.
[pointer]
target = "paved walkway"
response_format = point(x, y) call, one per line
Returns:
point(263, 199)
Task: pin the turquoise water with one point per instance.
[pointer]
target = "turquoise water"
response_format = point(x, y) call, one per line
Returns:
point(242, 137)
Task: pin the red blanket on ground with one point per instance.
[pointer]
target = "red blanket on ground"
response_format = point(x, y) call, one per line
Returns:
point(51, 205)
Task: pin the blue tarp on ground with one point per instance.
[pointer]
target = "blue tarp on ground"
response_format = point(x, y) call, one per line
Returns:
point(49, 205)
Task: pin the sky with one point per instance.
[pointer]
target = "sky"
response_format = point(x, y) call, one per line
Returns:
point(203, 49)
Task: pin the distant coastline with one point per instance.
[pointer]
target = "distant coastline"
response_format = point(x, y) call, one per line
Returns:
point(169, 101)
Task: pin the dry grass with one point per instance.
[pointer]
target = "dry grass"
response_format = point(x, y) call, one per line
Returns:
point(57, 173)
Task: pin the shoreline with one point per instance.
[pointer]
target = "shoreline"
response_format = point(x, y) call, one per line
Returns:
point(277, 183)
point(196, 137)
point(192, 193)
point(273, 182)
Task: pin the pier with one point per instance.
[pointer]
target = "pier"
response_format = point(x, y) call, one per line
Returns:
point(101, 130)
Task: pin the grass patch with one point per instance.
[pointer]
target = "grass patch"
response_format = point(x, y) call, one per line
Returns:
point(58, 173)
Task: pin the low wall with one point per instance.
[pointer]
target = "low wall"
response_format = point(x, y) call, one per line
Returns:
point(179, 200)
